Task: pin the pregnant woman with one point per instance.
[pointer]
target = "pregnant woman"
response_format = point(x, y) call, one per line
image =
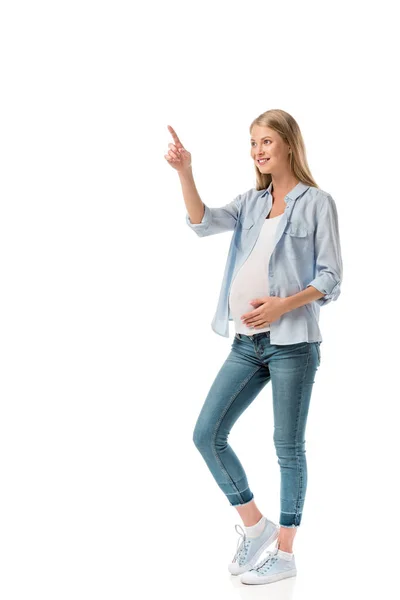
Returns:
point(284, 263)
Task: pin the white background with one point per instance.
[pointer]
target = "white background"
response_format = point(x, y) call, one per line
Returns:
point(107, 297)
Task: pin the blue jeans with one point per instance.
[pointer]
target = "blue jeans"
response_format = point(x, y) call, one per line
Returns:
point(253, 361)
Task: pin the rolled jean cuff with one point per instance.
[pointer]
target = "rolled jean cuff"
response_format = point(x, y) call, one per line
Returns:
point(240, 499)
point(290, 519)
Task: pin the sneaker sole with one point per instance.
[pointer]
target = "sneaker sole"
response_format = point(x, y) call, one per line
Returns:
point(257, 555)
point(259, 579)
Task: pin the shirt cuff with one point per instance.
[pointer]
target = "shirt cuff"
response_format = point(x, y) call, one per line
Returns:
point(323, 283)
point(204, 223)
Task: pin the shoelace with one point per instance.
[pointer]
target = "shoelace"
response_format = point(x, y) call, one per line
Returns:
point(242, 543)
point(270, 555)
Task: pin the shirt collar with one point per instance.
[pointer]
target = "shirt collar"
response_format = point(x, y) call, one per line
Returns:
point(294, 193)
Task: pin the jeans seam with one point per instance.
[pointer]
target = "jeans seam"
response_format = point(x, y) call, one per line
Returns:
point(299, 469)
point(219, 423)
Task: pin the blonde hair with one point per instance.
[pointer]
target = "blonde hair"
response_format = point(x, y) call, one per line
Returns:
point(286, 126)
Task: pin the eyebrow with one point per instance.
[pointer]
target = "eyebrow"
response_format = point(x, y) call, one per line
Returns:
point(266, 136)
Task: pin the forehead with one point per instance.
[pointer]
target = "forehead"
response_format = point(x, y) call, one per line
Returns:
point(259, 132)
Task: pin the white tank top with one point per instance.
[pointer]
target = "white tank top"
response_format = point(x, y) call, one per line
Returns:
point(251, 280)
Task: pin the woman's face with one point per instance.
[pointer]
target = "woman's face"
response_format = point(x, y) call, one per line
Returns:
point(266, 143)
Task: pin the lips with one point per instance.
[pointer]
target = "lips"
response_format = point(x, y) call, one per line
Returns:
point(263, 161)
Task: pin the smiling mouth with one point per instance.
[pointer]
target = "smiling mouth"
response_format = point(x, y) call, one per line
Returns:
point(262, 161)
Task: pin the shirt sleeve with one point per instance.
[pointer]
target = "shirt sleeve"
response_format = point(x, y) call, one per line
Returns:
point(217, 220)
point(328, 272)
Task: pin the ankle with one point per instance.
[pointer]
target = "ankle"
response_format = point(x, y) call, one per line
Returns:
point(253, 520)
point(284, 546)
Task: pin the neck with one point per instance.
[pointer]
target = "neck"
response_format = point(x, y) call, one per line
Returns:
point(282, 184)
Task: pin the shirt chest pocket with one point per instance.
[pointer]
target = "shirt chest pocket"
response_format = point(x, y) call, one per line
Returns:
point(243, 231)
point(298, 240)
point(246, 222)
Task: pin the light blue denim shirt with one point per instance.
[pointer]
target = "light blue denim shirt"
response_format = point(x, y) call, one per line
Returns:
point(306, 252)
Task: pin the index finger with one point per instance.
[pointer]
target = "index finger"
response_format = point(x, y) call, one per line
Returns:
point(176, 139)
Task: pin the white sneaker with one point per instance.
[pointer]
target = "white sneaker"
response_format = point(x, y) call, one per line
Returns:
point(250, 549)
point(277, 565)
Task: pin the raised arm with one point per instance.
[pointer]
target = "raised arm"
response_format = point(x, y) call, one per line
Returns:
point(217, 220)
point(201, 218)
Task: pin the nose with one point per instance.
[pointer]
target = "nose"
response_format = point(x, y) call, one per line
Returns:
point(258, 151)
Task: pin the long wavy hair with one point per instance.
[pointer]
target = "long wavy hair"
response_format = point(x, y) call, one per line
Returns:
point(286, 126)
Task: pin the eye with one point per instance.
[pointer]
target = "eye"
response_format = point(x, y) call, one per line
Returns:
point(252, 143)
